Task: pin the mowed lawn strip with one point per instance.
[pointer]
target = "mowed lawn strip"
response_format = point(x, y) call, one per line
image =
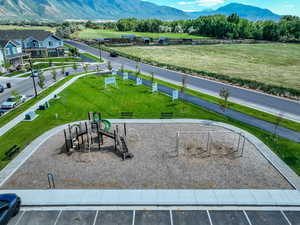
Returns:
point(96, 33)
point(96, 59)
point(88, 94)
point(58, 59)
point(273, 63)
point(244, 109)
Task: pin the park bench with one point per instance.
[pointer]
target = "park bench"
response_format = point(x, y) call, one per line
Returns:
point(126, 115)
point(166, 115)
point(12, 151)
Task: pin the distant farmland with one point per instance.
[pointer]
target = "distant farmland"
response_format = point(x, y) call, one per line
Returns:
point(13, 27)
point(93, 34)
point(274, 63)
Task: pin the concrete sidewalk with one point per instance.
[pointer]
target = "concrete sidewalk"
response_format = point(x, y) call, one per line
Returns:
point(21, 117)
point(159, 197)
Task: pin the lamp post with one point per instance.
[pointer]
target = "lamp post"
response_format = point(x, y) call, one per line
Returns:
point(99, 43)
point(33, 77)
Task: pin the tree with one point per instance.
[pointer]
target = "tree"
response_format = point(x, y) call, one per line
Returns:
point(152, 77)
point(74, 67)
point(224, 93)
point(122, 68)
point(86, 67)
point(15, 93)
point(138, 69)
point(63, 69)
point(98, 67)
point(109, 66)
point(278, 120)
point(54, 74)
point(41, 81)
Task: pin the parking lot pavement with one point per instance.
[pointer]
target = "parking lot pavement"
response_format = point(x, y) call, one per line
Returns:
point(156, 217)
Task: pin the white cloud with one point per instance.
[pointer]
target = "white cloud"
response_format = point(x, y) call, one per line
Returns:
point(205, 3)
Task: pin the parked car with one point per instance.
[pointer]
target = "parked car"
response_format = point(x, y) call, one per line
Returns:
point(114, 54)
point(1, 88)
point(13, 101)
point(2, 111)
point(9, 207)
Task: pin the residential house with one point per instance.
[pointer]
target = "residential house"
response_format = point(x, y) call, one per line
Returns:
point(37, 43)
point(2, 69)
point(11, 52)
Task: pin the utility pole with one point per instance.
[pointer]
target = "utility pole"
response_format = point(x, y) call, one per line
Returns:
point(33, 78)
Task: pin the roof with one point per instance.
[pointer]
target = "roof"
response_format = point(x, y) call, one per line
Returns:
point(3, 43)
point(23, 34)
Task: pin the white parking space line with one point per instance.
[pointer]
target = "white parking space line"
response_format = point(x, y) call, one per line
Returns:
point(208, 214)
point(285, 217)
point(171, 217)
point(247, 217)
point(133, 217)
point(95, 220)
point(60, 212)
point(19, 219)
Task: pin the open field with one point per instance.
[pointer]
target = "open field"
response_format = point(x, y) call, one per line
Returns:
point(88, 94)
point(92, 34)
point(27, 27)
point(156, 164)
point(275, 63)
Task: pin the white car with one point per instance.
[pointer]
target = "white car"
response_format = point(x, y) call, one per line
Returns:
point(13, 101)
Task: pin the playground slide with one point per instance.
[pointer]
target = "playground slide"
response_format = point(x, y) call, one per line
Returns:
point(107, 125)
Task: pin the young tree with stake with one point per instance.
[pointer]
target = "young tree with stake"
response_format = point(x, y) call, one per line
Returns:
point(54, 74)
point(41, 81)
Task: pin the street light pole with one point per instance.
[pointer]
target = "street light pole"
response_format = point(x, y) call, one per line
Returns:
point(33, 80)
point(100, 50)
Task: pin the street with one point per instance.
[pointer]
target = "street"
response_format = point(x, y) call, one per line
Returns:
point(290, 109)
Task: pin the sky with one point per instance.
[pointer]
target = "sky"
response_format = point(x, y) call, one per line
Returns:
point(282, 7)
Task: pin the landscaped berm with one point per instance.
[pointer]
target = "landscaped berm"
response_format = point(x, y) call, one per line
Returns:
point(160, 156)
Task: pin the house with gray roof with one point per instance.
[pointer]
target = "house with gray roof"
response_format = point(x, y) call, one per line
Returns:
point(37, 43)
point(10, 52)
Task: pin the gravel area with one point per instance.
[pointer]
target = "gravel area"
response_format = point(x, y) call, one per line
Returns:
point(157, 163)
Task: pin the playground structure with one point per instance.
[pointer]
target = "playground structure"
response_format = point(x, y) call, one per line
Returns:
point(210, 143)
point(90, 135)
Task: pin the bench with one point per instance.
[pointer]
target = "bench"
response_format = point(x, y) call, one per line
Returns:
point(12, 151)
point(127, 115)
point(166, 115)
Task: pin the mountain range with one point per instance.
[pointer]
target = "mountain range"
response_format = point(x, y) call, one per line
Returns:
point(115, 9)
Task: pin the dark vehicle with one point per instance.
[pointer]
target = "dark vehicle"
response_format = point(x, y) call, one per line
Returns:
point(9, 207)
point(114, 54)
point(1, 88)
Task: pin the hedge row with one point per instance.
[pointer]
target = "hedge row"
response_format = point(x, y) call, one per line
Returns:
point(252, 84)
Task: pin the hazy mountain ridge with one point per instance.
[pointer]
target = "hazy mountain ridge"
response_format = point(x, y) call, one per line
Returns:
point(245, 11)
point(115, 9)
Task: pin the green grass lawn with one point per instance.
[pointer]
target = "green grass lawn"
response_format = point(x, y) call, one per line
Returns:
point(93, 34)
point(17, 111)
point(58, 59)
point(96, 59)
point(27, 27)
point(88, 94)
point(244, 109)
point(276, 63)
point(14, 73)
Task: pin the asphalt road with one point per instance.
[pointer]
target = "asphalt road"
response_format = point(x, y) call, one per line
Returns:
point(24, 86)
point(271, 104)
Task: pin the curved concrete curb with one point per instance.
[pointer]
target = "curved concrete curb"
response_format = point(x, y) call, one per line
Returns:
point(289, 174)
point(21, 117)
point(236, 197)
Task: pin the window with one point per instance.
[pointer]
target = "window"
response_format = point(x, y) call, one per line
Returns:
point(7, 52)
point(50, 43)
